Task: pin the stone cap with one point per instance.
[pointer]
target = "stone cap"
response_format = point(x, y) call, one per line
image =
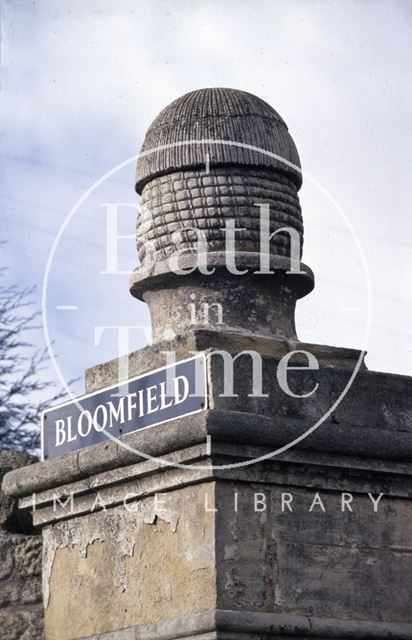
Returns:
point(371, 436)
point(220, 114)
point(303, 282)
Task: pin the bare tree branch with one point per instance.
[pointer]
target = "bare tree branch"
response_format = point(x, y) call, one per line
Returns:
point(20, 367)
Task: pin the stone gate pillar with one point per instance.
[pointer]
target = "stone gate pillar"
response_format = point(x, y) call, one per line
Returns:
point(198, 527)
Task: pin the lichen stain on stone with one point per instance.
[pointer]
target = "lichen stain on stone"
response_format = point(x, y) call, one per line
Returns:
point(230, 552)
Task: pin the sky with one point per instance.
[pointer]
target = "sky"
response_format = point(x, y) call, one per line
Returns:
point(81, 82)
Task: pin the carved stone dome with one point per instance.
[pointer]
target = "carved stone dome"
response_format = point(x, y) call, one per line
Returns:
point(173, 142)
point(201, 172)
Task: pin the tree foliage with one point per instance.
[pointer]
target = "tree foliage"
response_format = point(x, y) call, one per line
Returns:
point(21, 367)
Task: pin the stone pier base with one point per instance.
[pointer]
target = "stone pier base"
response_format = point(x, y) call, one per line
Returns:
point(206, 534)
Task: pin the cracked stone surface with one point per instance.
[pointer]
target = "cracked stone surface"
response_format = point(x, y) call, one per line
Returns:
point(130, 565)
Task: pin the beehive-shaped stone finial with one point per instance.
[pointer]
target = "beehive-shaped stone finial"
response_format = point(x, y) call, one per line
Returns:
point(212, 165)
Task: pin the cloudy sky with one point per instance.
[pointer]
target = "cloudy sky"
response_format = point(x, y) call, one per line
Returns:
point(83, 79)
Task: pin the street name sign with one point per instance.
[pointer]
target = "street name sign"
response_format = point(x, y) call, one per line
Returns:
point(164, 394)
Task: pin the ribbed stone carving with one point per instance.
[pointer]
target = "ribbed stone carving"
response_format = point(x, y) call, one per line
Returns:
point(216, 158)
point(184, 183)
point(183, 199)
point(233, 127)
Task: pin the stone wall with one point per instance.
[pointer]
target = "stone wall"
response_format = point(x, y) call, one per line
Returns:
point(21, 608)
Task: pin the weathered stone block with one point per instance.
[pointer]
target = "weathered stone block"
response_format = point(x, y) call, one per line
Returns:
point(130, 568)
